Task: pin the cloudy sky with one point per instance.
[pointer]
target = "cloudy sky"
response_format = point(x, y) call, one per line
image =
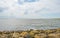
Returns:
point(30, 9)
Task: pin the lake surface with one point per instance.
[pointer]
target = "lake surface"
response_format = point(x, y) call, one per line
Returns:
point(26, 24)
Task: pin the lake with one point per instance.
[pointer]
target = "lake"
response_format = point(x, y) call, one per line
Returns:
point(26, 24)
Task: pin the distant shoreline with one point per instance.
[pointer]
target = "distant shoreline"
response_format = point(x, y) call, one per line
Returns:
point(30, 18)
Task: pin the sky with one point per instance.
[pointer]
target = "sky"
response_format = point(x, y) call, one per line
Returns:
point(33, 9)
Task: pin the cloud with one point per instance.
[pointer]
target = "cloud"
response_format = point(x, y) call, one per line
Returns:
point(3, 9)
point(26, 1)
point(29, 8)
point(31, 0)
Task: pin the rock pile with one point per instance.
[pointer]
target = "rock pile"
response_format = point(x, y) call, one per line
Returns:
point(51, 33)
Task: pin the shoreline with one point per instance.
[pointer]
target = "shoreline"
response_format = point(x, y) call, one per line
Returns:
point(50, 33)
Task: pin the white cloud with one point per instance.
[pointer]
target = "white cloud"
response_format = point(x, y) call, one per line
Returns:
point(29, 9)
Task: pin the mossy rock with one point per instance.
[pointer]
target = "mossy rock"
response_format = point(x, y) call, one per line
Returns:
point(15, 35)
point(40, 36)
point(54, 35)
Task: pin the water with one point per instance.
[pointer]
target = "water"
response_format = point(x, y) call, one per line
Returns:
point(26, 24)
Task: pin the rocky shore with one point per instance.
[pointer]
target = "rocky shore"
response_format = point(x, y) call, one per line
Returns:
point(50, 33)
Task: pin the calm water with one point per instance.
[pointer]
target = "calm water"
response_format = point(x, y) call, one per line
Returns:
point(25, 24)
